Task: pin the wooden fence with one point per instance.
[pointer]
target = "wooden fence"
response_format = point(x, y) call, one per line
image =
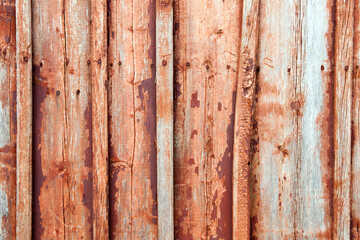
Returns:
point(163, 119)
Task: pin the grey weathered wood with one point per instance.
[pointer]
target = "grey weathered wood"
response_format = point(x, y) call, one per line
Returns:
point(7, 119)
point(292, 172)
point(164, 118)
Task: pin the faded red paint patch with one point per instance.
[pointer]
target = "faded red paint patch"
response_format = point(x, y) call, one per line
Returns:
point(193, 133)
point(195, 103)
point(88, 119)
point(148, 86)
point(87, 198)
point(355, 228)
point(40, 92)
point(191, 161)
point(177, 90)
point(224, 170)
point(113, 193)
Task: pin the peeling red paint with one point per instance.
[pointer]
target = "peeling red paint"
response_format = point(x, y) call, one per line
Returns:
point(195, 103)
point(40, 93)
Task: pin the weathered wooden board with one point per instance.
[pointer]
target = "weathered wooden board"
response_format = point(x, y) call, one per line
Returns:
point(355, 133)
point(49, 177)
point(99, 118)
point(7, 119)
point(244, 112)
point(206, 65)
point(344, 36)
point(77, 159)
point(62, 120)
point(132, 120)
point(179, 119)
point(293, 138)
point(24, 120)
point(164, 118)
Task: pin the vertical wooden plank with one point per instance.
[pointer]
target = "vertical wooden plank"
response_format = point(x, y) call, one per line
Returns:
point(78, 194)
point(51, 168)
point(132, 120)
point(99, 43)
point(121, 122)
point(275, 124)
point(244, 110)
point(206, 65)
point(291, 183)
point(164, 118)
point(355, 127)
point(7, 120)
point(314, 108)
point(24, 120)
point(344, 36)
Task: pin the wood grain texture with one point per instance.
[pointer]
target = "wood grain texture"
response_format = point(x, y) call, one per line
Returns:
point(62, 131)
point(244, 110)
point(99, 118)
point(291, 182)
point(344, 36)
point(355, 127)
point(51, 169)
point(179, 119)
point(77, 188)
point(206, 68)
point(7, 120)
point(164, 118)
point(132, 120)
point(24, 120)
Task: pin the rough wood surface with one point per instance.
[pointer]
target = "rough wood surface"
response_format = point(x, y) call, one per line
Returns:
point(99, 118)
point(142, 119)
point(206, 65)
point(132, 120)
point(77, 168)
point(24, 120)
point(62, 127)
point(62, 147)
point(165, 119)
point(344, 36)
point(291, 182)
point(355, 145)
point(8, 121)
point(244, 110)
point(49, 176)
